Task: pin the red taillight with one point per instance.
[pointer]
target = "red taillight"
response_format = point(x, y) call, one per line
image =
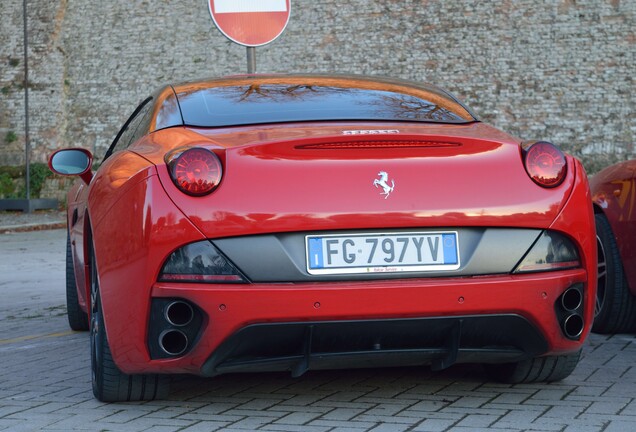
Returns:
point(545, 164)
point(196, 171)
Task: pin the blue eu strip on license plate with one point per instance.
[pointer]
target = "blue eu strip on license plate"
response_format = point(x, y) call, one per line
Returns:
point(382, 252)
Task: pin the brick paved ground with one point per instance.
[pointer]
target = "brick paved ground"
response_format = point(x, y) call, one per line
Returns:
point(45, 380)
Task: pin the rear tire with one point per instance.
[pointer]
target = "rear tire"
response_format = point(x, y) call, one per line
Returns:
point(110, 384)
point(539, 369)
point(615, 310)
point(77, 318)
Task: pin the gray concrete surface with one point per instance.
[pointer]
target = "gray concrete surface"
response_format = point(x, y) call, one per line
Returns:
point(45, 380)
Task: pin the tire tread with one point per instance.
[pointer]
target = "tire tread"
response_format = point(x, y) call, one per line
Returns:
point(538, 369)
point(77, 318)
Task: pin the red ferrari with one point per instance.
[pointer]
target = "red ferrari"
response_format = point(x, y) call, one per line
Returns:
point(614, 196)
point(289, 223)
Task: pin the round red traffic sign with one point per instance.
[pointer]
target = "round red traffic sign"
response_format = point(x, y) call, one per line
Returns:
point(250, 22)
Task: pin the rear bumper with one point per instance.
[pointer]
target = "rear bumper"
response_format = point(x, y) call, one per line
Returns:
point(440, 342)
point(294, 327)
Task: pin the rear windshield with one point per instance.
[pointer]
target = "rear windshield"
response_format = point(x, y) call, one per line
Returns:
point(281, 103)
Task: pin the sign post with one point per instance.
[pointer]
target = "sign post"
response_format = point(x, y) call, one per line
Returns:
point(251, 60)
point(251, 23)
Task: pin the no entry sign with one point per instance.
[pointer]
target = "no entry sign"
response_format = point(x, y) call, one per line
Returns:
point(250, 23)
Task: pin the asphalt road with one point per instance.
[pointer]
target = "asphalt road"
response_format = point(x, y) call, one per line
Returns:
point(45, 380)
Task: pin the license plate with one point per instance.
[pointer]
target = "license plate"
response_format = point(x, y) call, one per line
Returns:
point(382, 252)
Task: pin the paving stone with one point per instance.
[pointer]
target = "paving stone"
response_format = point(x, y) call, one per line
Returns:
point(609, 407)
point(202, 416)
point(12, 424)
point(207, 426)
point(578, 428)
point(469, 402)
point(359, 426)
point(434, 425)
point(427, 406)
point(294, 428)
point(247, 413)
point(297, 418)
point(341, 414)
point(344, 429)
point(519, 417)
point(564, 412)
point(390, 428)
point(250, 423)
point(620, 426)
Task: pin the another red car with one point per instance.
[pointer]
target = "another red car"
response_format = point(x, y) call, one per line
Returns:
point(268, 223)
point(614, 196)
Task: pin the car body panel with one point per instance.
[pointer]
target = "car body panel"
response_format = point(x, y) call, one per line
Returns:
point(146, 235)
point(318, 177)
point(614, 193)
point(533, 297)
point(76, 223)
point(355, 170)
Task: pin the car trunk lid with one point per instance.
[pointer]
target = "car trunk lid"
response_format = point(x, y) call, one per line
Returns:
point(343, 178)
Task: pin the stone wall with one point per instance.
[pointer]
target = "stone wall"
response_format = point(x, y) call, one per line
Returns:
point(56, 187)
point(558, 70)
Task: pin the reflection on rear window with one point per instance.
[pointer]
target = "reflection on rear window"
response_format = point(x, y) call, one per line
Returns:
point(280, 103)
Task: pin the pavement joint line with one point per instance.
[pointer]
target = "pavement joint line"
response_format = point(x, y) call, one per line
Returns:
point(31, 337)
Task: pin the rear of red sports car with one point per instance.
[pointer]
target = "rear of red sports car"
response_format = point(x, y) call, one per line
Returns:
point(307, 222)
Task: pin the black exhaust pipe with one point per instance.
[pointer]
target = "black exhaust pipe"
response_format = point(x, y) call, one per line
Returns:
point(569, 311)
point(174, 327)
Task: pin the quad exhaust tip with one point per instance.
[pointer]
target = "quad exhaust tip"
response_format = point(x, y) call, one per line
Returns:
point(173, 327)
point(174, 342)
point(569, 309)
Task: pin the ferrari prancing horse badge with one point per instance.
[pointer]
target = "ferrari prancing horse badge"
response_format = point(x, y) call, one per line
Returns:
point(383, 181)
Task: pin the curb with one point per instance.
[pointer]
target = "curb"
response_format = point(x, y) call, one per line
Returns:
point(32, 227)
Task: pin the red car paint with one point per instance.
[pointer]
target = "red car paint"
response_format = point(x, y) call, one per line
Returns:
point(456, 175)
point(130, 252)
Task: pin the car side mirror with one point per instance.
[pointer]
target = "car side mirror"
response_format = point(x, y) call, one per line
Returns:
point(72, 162)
